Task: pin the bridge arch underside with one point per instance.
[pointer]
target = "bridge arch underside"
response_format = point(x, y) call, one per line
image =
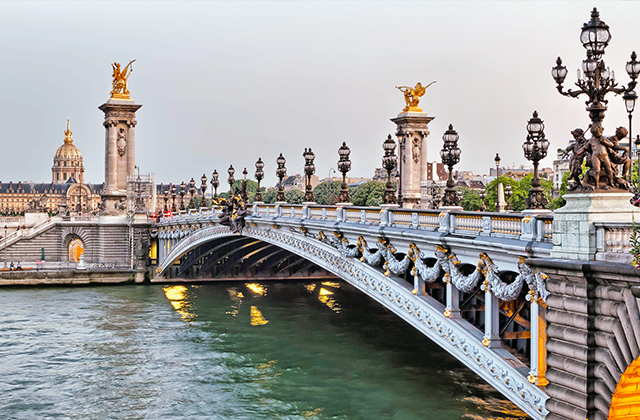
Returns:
point(216, 251)
point(241, 257)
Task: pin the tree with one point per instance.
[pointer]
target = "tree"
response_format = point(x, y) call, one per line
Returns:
point(269, 196)
point(471, 200)
point(558, 202)
point(327, 193)
point(519, 191)
point(368, 194)
point(294, 196)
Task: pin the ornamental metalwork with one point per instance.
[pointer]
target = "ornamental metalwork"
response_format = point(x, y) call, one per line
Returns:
point(192, 193)
point(244, 194)
point(450, 155)
point(309, 170)
point(535, 149)
point(203, 189)
point(231, 179)
point(173, 198)
point(389, 163)
point(215, 183)
point(281, 172)
point(183, 191)
point(344, 166)
point(259, 176)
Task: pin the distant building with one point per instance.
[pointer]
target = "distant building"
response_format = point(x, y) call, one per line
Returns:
point(521, 172)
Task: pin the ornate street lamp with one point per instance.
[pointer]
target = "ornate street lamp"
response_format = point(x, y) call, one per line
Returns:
point(630, 103)
point(259, 176)
point(508, 192)
point(389, 163)
point(192, 192)
point(173, 198)
point(497, 162)
point(344, 166)
point(281, 172)
point(215, 183)
point(243, 187)
point(600, 80)
point(203, 188)
point(450, 155)
point(166, 200)
point(182, 192)
point(309, 170)
point(535, 149)
point(231, 180)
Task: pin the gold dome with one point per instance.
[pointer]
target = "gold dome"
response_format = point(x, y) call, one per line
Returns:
point(68, 150)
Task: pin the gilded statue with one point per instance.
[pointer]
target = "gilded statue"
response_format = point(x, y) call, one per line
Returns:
point(412, 96)
point(120, 77)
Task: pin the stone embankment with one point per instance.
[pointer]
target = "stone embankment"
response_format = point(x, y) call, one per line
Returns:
point(71, 277)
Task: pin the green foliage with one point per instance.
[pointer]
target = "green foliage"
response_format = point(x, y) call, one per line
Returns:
point(471, 200)
point(519, 191)
point(556, 203)
point(294, 196)
point(269, 196)
point(369, 194)
point(327, 193)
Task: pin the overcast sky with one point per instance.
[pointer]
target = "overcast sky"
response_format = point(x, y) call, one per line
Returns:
point(227, 82)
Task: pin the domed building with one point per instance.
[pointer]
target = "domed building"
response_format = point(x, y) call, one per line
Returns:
point(66, 192)
point(67, 162)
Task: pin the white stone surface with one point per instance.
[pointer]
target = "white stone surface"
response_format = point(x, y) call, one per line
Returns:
point(574, 234)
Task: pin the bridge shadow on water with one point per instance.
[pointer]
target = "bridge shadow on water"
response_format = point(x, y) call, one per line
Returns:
point(321, 349)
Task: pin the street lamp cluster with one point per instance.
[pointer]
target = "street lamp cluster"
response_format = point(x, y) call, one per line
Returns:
point(450, 155)
point(344, 166)
point(535, 149)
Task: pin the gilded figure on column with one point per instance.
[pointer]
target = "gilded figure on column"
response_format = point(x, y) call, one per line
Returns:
point(120, 77)
point(412, 96)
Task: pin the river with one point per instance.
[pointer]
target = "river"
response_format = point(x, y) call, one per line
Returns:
point(226, 351)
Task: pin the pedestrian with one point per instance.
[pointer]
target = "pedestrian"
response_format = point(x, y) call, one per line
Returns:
point(11, 266)
point(19, 267)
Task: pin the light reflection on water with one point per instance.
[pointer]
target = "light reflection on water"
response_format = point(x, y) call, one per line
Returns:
point(292, 351)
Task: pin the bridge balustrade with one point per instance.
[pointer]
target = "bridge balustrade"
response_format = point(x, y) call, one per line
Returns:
point(613, 241)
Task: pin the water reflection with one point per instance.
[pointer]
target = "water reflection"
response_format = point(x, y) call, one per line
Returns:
point(257, 318)
point(178, 298)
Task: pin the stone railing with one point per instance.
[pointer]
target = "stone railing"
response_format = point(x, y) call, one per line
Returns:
point(463, 223)
point(612, 241)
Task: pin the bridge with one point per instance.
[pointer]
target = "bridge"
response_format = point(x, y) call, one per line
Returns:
point(481, 285)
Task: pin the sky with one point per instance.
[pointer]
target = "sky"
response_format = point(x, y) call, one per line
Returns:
point(227, 82)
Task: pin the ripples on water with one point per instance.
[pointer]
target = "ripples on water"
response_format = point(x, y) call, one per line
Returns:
point(226, 351)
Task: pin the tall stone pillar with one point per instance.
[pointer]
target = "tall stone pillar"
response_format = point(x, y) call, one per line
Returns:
point(119, 123)
point(412, 135)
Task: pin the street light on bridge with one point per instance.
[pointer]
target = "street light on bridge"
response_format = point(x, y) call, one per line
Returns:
point(259, 176)
point(497, 162)
point(281, 172)
point(450, 155)
point(203, 188)
point(215, 183)
point(231, 180)
point(183, 191)
point(344, 166)
point(630, 103)
point(166, 201)
point(173, 198)
point(389, 163)
point(192, 193)
point(309, 170)
point(535, 149)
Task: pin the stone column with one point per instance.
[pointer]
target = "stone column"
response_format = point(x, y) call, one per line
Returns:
point(119, 123)
point(412, 135)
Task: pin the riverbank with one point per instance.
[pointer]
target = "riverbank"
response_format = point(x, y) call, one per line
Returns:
point(71, 277)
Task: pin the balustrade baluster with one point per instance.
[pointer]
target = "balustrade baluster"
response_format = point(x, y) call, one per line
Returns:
point(453, 302)
point(491, 320)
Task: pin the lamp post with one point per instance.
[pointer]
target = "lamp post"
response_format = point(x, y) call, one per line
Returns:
point(450, 155)
point(243, 186)
point(166, 200)
point(507, 193)
point(192, 193)
point(630, 103)
point(173, 198)
point(259, 176)
point(344, 166)
point(281, 172)
point(535, 149)
point(183, 191)
point(215, 183)
point(231, 180)
point(5, 246)
point(497, 161)
point(203, 188)
point(389, 162)
point(598, 79)
point(309, 170)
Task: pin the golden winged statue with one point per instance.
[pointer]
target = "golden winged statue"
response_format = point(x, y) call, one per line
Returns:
point(412, 96)
point(120, 77)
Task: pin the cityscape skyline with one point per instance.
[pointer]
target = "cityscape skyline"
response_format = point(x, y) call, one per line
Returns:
point(279, 77)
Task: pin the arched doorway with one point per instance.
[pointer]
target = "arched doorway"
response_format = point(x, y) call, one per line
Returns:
point(624, 404)
point(75, 249)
